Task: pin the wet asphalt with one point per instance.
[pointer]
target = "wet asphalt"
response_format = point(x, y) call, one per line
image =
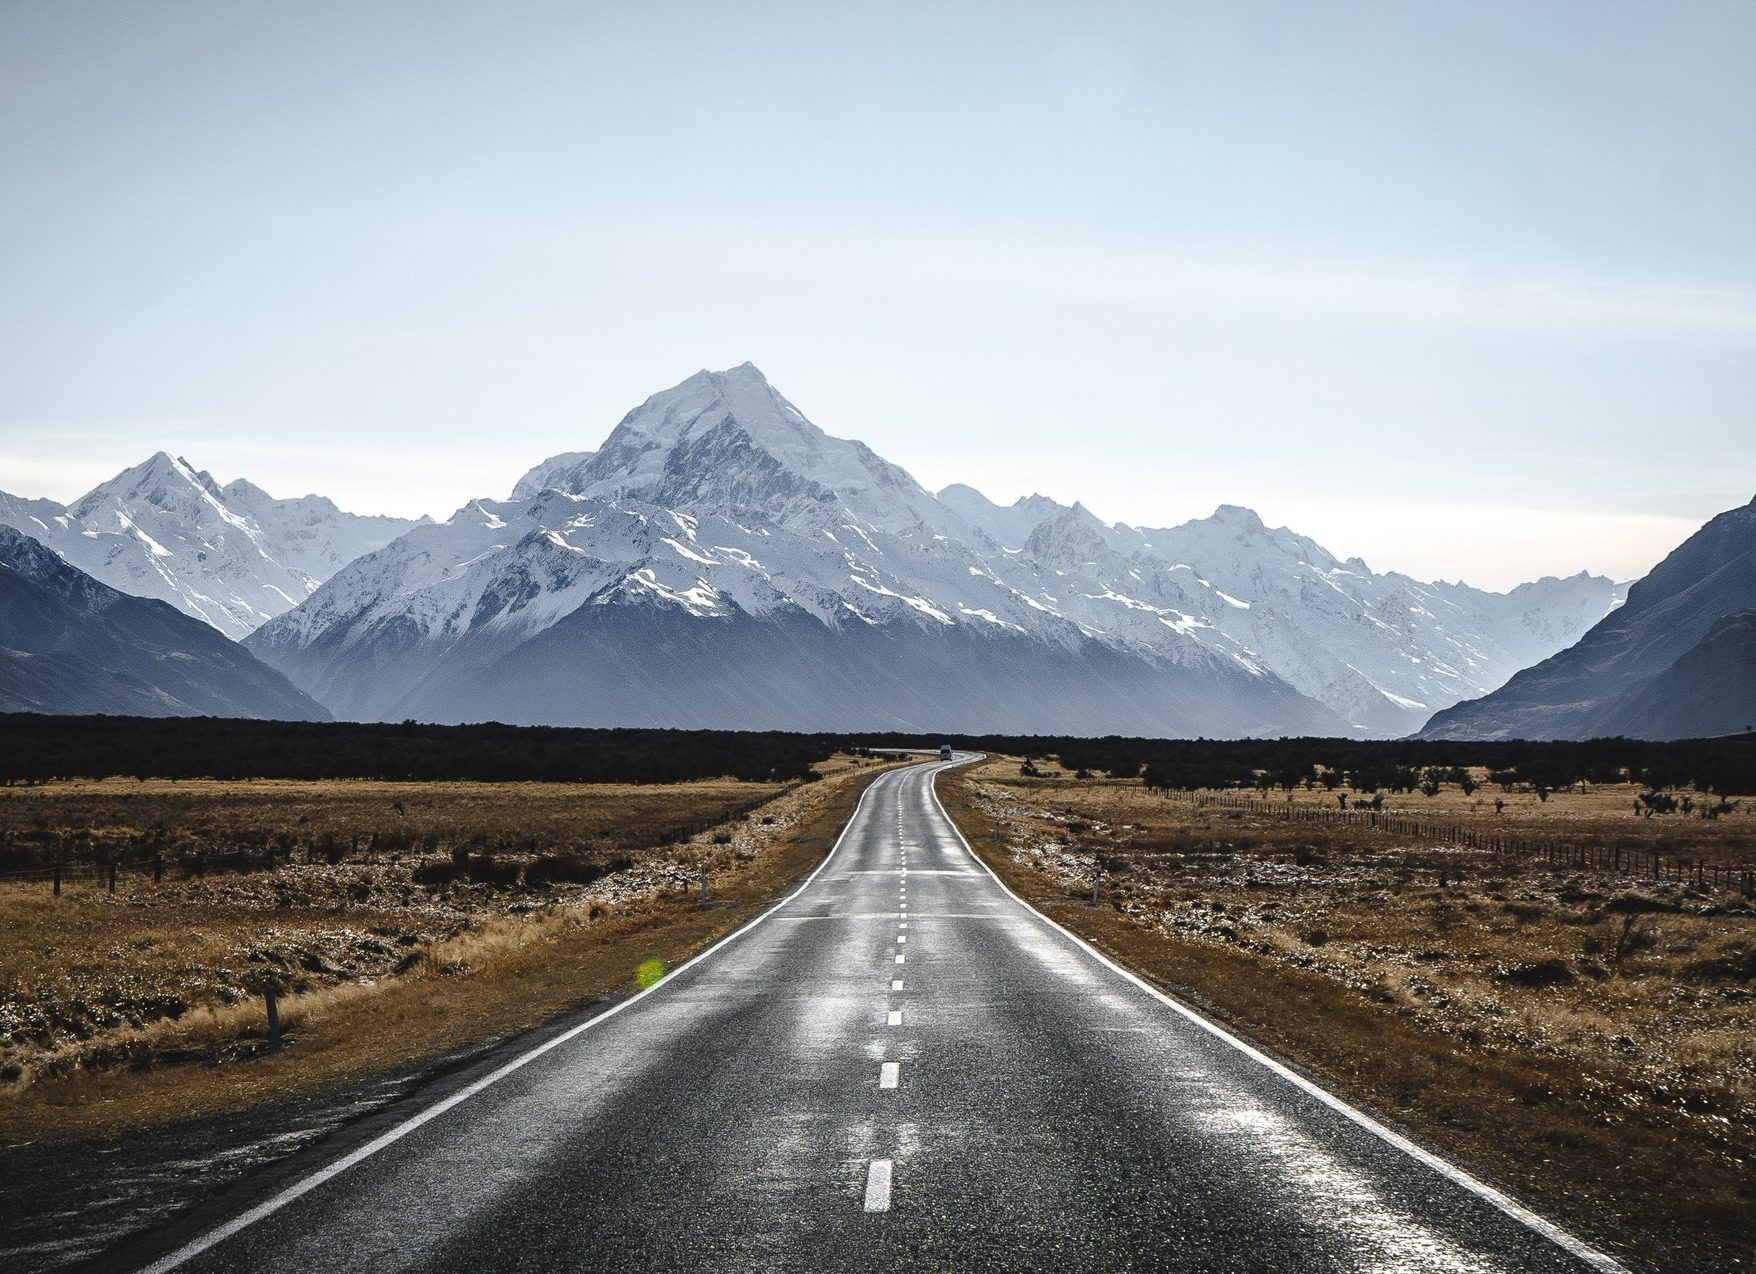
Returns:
point(900, 1068)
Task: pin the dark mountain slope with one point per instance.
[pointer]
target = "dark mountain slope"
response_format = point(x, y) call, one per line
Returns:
point(1573, 695)
point(644, 665)
point(1710, 690)
point(69, 644)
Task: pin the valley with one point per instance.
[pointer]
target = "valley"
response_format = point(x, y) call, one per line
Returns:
point(1581, 1034)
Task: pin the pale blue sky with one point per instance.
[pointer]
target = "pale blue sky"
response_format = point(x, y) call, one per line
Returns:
point(1468, 290)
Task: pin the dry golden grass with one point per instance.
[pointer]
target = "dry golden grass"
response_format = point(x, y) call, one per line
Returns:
point(94, 818)
point(118, 1011)
point(1585, 1037)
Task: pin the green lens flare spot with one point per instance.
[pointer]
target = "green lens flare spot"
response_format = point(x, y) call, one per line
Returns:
point(650, 973)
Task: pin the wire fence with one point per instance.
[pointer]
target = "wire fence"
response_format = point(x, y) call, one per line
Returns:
point(109, 870)
point(1583, 853)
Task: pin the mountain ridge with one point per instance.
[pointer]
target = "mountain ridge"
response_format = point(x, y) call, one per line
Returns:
point(1595, 685)
point(72, 644)
point(719, 499)
point(231, 556)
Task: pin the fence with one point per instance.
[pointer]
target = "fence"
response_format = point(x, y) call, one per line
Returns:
point(190, 865)
point(1585, 855)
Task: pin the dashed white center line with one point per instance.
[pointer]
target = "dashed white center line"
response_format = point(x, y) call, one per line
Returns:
point(895, 1018)
point(888, 1074)
point(902, 937)
point(896, 984)
point(878, 1185)
point(899, 957)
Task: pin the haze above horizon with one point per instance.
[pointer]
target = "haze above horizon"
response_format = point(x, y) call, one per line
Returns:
point(1467, 293)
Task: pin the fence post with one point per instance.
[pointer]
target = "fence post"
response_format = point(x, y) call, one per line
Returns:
point(1097, 880)
point(57, 878)
point(158, 868)
point(704, 882)
point(112, 875)
point(273, 1016)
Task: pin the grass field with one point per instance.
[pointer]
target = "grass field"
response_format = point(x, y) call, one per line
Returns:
point(400, 920)
point(1584, 1035)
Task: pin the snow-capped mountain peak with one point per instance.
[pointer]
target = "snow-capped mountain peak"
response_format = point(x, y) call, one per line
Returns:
point(716, 503)
point(1009, 526)
point(232, 556)
point(728, 442)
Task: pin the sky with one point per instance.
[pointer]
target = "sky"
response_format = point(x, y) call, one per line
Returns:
point(1466, 290)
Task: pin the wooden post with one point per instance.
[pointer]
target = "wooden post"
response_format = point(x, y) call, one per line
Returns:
point(158, 868)
point(273, 1016)
point(1097, 880)
point(57, 878)
point(112, 875)
point(704, 882)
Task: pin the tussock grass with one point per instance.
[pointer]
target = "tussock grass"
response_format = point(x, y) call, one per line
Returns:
point(126, 1009)
point(1586, 1037)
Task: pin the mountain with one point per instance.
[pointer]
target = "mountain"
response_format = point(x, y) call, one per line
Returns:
point(69, 644)
point(1710, 690)
point(231, 556)
point(1378, 650)
point(727, 441)
point(720, 560)
point(1664, 665)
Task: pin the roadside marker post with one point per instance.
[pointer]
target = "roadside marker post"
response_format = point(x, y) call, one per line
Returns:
point(704, 882)
point(1097, 880)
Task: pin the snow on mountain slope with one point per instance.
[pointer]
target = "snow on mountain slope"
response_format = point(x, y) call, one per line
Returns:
point(70, 644)
point(309, 534)
point(1006, 527)
point(728, 441)
point(716, 503)
point(1380, 650)
point(232, 556)
point(548, 473)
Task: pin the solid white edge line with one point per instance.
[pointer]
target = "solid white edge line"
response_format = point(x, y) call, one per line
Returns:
point(878, 1173)
point(268, 1207)
point(1563, 1239)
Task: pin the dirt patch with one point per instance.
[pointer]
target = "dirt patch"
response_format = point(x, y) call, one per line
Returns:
point(1581, 1036)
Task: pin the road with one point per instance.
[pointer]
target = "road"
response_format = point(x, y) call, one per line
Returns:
point(901, 1067)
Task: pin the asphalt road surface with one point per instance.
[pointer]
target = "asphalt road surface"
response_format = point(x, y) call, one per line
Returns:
point(901, 1067)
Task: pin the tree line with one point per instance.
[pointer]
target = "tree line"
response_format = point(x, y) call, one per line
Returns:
point(1720, 766)
point(36, 748)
